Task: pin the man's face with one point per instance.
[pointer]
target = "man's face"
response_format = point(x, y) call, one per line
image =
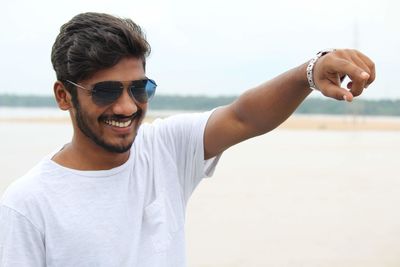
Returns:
point(112, 127)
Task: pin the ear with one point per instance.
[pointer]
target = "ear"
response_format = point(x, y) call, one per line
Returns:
point(63, 97)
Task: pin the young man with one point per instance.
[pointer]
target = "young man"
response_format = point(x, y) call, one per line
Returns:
point(116, 194)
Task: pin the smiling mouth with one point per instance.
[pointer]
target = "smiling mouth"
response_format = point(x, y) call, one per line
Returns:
point(118, 124)
point(121, 123)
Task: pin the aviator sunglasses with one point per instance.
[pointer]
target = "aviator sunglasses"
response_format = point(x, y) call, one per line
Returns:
point(107, 92)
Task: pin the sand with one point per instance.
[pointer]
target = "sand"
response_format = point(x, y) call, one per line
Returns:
point(318, 191)
point(300, 198)
point(317, 122)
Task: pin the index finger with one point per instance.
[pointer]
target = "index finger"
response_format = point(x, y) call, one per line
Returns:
point(358, 75)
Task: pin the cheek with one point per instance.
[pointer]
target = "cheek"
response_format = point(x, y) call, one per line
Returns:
point(143, 107)
point(88, 113)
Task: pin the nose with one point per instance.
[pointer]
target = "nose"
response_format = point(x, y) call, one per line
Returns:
point(124, 105)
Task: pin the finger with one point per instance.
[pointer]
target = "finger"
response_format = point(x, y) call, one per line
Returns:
point(334, 91)
point(360, 63)
point(356, 92)
point(371, 66)
point(358, 76)
point(357, 86)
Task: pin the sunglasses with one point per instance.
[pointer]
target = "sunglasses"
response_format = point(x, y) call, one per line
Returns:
point(107, 92)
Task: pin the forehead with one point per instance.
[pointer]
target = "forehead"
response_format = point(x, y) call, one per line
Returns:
point(127, 69)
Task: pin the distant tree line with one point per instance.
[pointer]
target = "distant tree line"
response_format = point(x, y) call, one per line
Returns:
point(176, 102)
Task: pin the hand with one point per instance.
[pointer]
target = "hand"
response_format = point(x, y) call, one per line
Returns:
point(335, 65)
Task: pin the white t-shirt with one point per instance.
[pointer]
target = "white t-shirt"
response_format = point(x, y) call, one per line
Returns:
point(131, 215)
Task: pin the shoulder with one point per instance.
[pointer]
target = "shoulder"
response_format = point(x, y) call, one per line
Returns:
point(172, 130)
point(183, 118)
point(174, 123)
point(26, 191)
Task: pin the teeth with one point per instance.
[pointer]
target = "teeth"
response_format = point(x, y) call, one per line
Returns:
point(118, 123)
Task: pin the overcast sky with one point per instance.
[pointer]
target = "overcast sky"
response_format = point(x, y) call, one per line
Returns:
point(210, 47)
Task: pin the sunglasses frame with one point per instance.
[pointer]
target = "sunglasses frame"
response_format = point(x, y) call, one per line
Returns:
point(93, 91)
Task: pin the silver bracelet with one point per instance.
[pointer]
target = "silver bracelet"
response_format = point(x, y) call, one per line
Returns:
point(310, 68)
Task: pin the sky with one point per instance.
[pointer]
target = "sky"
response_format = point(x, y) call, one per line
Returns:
point(210, 47)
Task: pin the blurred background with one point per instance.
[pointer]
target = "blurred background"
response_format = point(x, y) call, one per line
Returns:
point(209, 47)
point(321, 190)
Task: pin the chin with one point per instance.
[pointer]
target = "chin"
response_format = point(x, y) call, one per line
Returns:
point(116, 148)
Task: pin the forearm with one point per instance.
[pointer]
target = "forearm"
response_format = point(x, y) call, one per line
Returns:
point(263, 108)
point(268, 105)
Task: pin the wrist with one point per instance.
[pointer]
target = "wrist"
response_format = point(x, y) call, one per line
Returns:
point(310, 68)
point(301, 76)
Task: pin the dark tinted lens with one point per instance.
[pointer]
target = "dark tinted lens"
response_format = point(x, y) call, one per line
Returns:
point(143, 90)
point(105, 93)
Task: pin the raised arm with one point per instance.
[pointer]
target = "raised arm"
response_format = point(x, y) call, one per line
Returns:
point(263, 108)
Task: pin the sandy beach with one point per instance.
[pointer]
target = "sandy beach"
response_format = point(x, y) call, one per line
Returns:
point(318, 191)
point(303, 198)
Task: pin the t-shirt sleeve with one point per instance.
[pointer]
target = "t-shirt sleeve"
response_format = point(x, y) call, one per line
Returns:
point(21, 243)
point(184, 137)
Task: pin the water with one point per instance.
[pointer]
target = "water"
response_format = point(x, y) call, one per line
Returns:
point(10, 113)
